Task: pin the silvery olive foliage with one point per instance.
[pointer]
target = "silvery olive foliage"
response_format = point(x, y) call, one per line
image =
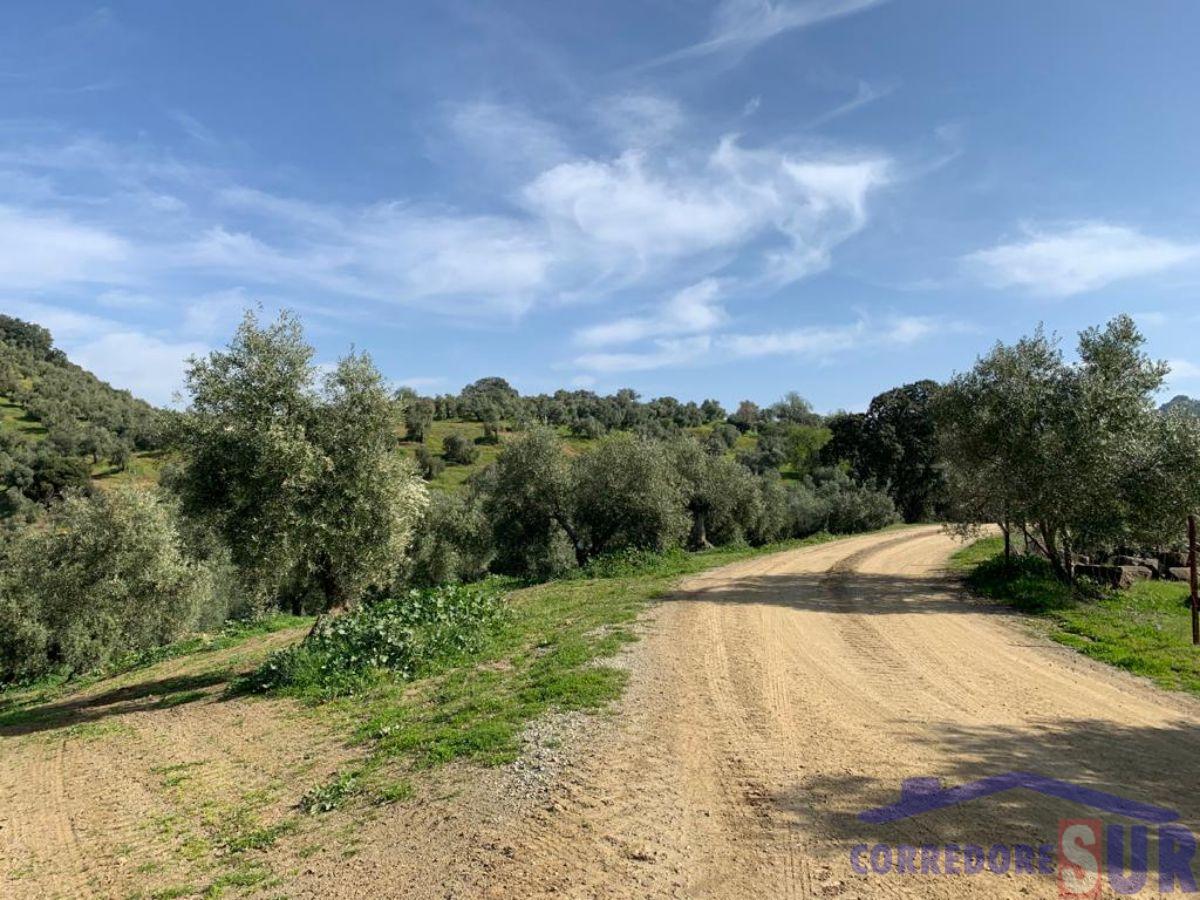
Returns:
point(550, 509)
point(102, 575)
point(1073, 453)
point(300, 477)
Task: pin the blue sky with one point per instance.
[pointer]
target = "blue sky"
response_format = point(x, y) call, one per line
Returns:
point(729, 198)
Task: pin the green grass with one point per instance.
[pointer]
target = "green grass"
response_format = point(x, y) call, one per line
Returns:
point(550, 654)
point(1145, 630)
point(15, 418)
point(19, 704)
point(453, 476)
point(144, 469)
point(970, 556)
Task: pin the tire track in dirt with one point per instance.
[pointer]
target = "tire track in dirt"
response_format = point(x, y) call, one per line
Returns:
point(116, 793)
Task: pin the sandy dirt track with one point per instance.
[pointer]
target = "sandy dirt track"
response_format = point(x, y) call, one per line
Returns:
point(775, 699)
point(770, 702)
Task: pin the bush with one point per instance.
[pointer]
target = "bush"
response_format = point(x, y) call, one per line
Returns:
point(428, 465)
point(405, 636)
point(725, 435)
point(626, 493)
point(459, 451)
point(589, 428)
point(491, 433)
point(453, 542)
point(1025, 582)
point(105, 575)
point(852, 507)
point(526, 497)
point(807, 513)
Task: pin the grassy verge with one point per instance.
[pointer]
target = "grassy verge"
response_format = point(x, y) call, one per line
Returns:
point(547, 653)
point(15, 418)
point(1146, 629)
point(19, 702)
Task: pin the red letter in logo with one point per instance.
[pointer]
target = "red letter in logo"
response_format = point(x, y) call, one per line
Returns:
point(1079, 857)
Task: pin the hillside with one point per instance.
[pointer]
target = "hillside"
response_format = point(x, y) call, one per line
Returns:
point(455, 477)
point(1182, 403)
point(61, 427)
point(68, 428)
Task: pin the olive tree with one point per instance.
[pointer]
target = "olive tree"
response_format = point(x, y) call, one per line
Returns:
point(719, 494)
point(626, 493)
point(301, 480)
point(359, 521)
point(105, 575)
point(458, 450)
point(1074, 453)
point(453, 541)
point(527, 496)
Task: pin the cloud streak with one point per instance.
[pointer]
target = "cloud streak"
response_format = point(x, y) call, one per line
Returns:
point(738, 26)
point(819, 343)
point(1076, 259)
point(693, 309)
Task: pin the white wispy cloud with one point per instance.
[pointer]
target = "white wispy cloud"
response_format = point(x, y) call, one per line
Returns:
point(390, 253)
point(1183, 370)
point(194, 128)
point(505, 137)
point(819, 343)
point(1077, 258)
point(637, 210)
point(38, 250)
point(739, 26)
point(693, 309)
point(700, 224)
point(865, 94)
point(640, 119)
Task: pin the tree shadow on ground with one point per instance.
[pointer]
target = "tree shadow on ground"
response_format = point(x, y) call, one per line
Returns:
point(142, 696)
point(856, 593)
point(1152, 765)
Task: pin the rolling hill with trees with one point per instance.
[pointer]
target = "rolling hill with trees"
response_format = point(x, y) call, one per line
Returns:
point(1183, 404)
point(61, 427)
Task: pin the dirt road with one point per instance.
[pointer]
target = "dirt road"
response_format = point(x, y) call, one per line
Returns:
point(776, 699)
point(770, 702)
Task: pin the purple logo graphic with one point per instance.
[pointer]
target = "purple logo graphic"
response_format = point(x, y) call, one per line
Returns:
point(1085, 851)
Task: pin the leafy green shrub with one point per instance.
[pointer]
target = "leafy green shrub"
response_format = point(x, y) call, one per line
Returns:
point(329, 796)
point(1025, 582)
point(628, 562)
point(458, 450)
point(104, 575)
point(428, 465)
point(403, 635)
point(452, 542)
point(626, 493)
point(852, 507)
